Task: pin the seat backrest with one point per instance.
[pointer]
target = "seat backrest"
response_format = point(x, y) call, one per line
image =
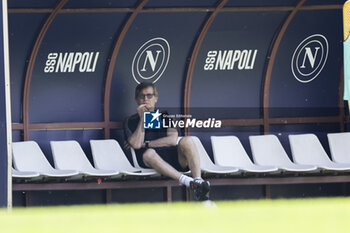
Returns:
point(229, 151)
point(307, 149)
point(205, 160)
point(339, 145)
point(134, 159)
point(268, 150)
point(69, 155)
point(27, 156)
point(108, 155)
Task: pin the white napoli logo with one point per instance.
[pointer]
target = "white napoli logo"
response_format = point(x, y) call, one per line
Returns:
point(70, 62)
point(230, 59)
point(151, 60)
point(309, 58)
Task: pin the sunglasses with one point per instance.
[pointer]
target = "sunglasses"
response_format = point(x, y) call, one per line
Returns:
point(143, 96)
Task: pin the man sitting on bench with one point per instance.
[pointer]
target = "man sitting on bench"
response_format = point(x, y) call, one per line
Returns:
point(158, 148)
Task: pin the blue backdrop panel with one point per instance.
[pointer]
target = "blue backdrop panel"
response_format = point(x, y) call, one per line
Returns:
point(230, 65)
point(324, 2)
point(99, 4)
point(118, 134)
point(305, 38)
point(170, 84)
point(16, 135)
point(260, 3)
point(31, 4)
point(321, 130)
point(21, 39)
point(242, 132)
point(181, 3)
point(68, 78)
point(83, 137)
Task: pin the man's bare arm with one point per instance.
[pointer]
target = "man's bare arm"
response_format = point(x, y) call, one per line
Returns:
point(136, 140)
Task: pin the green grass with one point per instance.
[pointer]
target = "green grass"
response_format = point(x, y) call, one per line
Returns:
point(270, 216)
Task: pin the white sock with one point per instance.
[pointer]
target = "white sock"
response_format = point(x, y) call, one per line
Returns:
point(199, 179)
point(185, 180)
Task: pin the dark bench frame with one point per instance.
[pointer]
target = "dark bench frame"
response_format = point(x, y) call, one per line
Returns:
point(167, 184)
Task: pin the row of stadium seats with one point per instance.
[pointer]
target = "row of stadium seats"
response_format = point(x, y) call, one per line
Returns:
point(71, 162)
point(269, 155)
point(230, 158)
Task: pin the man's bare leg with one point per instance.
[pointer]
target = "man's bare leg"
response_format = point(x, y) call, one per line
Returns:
point(188, 156)
point(153, 160)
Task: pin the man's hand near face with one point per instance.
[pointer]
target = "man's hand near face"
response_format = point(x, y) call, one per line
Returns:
point(140, 109)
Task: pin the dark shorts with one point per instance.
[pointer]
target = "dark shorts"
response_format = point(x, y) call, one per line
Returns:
point(168, 154)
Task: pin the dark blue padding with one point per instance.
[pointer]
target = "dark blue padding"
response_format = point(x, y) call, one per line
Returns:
point(320, 93)
point(100, 4)
point(31, 4)
point(118, 134)
point(171, 83)
point(234, 86)
point(321, 130)
point(73, 96)
point(23, 29)
point(181, 3)
point(16, 136)
point(259, 3)
point(324, 2)
point(242, 132)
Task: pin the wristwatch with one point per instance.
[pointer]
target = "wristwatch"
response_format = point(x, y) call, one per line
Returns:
point(146, 144)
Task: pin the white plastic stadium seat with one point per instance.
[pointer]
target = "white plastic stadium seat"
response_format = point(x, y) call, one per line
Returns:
point(108, 155)
point(267, 150)
point(25, 175)
point(70, 155)
point(28, 157)
point(229, 151)
point(339, 144)
point(307, 149)
point(207, 166)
